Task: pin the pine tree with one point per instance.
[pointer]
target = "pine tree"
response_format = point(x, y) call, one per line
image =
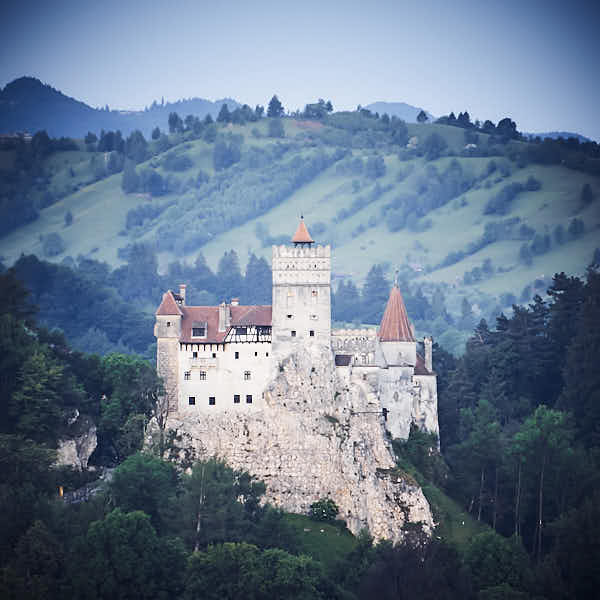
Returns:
point(275, 108)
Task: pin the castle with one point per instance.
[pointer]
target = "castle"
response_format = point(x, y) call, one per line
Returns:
point(222, 359)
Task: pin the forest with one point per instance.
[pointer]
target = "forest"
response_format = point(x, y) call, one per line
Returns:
point(520, 441)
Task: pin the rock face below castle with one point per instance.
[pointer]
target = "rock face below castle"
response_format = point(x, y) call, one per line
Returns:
point(317, 435)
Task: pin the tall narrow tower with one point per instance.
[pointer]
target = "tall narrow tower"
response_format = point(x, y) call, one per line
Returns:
point(301, 295)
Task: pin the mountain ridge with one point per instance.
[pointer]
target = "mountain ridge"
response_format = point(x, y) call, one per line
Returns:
point(28, 104)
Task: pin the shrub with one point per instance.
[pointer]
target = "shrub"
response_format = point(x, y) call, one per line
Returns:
point(500, 203)
point(324, 509)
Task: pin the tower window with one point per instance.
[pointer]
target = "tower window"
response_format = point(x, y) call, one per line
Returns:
point(168, 323)
point(194, 355)
point(192, 400)
point(247, 376)
point(187, 375)
point(293, 333)
point(236, 398)
point(237, 354)
point(290, 316)
point(311, 333)
point(266, 354)
point(212, 401)
point(256, 354)
point(248, 398)
point(202, 375)
point(214, 355)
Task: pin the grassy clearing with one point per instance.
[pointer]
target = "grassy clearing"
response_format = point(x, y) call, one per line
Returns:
point(453, 524)
point(324, 542)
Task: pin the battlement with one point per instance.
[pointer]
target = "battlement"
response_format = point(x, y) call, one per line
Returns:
point(302, 252)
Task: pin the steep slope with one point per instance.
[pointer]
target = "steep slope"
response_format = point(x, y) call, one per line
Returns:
point(426, 215)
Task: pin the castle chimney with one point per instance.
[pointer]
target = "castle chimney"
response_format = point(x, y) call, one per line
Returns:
point(182, 293)
point(224, 316)
point(235, 302)
point(428, 345)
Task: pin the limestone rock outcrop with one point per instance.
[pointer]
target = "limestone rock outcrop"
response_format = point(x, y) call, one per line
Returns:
point(318, 435)
point(75, 450)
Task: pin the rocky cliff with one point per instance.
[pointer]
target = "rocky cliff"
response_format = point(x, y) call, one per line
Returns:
point(319, 435)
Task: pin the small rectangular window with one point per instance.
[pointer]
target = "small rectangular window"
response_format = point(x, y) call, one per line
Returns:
point(198, 331)
point(256, 354)
point(311, 333)
point(187, 376)
point(168, 323)
point(212, 401)
point(237, 354)
point(194, 355)
point(202, 375)
point(247, 375)
point(266, 354)
point(290, 316)
point(293, 333)
point(236, 398)
point(214, 355)
point(241, 330)
point(248, 398)
point(192, 400)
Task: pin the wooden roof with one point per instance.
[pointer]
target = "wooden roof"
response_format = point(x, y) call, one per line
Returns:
point(395, 326)
point(302, 236)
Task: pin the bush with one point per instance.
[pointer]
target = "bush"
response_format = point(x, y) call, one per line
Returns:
point(500, 203)
point(324, 510)
point(175, 161)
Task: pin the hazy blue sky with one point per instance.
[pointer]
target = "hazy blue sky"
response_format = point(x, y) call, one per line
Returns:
point(534, 60)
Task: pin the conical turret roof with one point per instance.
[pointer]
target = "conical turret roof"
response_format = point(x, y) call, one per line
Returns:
point(395, 326)
point(302, 236)
point(168, 306)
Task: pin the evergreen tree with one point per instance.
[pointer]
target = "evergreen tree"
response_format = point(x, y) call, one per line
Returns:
point(375, 294)
point(224, 115)
point(275, 108)
point(257, 281)
point(229, 277)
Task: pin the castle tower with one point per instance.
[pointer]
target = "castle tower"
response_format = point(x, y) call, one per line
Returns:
point(396, 355)
point(397, 341)
point(167, 331)
point(301, 295)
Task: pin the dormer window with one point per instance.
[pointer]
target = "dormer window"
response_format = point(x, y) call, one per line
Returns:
point(199, 330)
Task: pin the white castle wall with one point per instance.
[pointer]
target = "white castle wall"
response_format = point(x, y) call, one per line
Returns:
point(225, 376)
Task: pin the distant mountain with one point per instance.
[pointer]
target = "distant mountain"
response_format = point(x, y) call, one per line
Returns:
point(404, 111)
point(27, 104)
point(558, 134)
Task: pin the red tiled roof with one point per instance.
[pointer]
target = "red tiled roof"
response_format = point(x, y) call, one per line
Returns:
point(395, 326)
point(168, 306)
point(251, 315)
point(240, 316)
point(302, 236)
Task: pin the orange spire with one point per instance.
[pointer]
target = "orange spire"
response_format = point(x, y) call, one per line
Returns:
point(302, 236)
point(395, 326)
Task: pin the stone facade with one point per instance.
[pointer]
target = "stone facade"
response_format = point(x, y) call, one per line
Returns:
point(324, 403)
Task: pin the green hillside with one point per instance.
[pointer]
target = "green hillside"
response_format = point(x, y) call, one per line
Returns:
point(423, 205)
